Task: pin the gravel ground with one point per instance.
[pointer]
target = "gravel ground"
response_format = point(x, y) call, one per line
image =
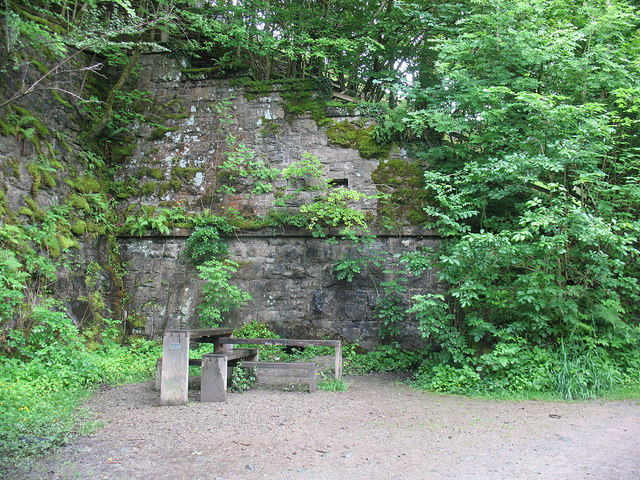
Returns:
point(378, 429)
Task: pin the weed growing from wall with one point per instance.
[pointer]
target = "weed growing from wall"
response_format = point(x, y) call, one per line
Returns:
point(207, 250)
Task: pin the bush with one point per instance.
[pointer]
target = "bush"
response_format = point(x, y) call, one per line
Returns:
point(39, 396)
point(446, 378)
point(514, 365)
point(386, 358)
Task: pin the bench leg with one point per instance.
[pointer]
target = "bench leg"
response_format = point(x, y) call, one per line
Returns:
point(213, 386)
point(158, 382)
point(313, 379)
point(174, 382)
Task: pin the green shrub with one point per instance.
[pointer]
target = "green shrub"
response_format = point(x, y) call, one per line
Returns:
point(39, 396)
point(514, 365)
point(584, 372)
point(386, 358)
point(442, 377)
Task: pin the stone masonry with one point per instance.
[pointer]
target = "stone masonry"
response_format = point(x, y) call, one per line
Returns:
point(288, 273)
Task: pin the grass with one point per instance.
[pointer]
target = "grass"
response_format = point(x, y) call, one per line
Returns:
point(332, 385)
point(40, 399)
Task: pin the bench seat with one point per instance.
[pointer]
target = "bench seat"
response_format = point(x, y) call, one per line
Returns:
point(293, 369)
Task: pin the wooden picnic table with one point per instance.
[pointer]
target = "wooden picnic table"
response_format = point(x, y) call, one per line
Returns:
point(173, 369)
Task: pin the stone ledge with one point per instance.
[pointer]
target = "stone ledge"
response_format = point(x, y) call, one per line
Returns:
point(282, 231)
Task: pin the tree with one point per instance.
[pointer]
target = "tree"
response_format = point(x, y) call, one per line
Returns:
point(44, 42)
point(537, 123)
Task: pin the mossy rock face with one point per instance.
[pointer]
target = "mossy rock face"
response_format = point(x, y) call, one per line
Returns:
point(148, 188)
point(79, 203)
point(403, 182)
point(85, 184)
point(185, 173)
point(156, 173)
point(350, 135)
point(79, 227)
point(160, 132)
point(137, 321)
point(270, 127)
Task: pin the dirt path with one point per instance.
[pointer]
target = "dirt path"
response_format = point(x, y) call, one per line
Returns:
point(375, 430)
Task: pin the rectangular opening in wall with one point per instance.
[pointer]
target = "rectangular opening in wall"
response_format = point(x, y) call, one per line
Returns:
point(339, 182)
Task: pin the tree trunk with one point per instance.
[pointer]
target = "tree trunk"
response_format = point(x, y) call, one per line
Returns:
point(106, 117)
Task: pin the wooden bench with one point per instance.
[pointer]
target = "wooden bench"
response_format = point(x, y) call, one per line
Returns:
point(286, 369)
point(232, 357)
point(288, 342)
point(172, 374)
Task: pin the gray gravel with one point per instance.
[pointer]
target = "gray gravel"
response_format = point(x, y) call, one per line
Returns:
point(378, 429)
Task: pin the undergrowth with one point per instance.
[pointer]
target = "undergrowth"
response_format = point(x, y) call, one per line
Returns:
point(39, 397)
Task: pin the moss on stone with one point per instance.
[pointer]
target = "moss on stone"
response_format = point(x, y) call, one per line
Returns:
point(350, 135)
point(270, 127)
point(14, 166)
point(160, 132)
point(61, 100)
point(297, 103)
point(78, 202)
point(403, 182)
point(185, 173)
point(6, 128)
point(36, 177)
point(122, 190)
point(48, 179)
point(148, 188)
point(31, 121)
point(37, 19)
point(123, 149)
point(53, 247)
point(79, 227)
point(84, 183)
point(157, 173)
point(67, 242)
point(201, 73)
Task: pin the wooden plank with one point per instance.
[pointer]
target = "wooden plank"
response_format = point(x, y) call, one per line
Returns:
point(288, 342)
point(284, 369)
point(239, 353)
point(210, 334)
point(306, 366)
point(344, 96)
point(338, 366)
point(158, 381)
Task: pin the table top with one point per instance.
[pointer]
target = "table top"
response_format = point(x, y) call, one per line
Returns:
point(202, 333)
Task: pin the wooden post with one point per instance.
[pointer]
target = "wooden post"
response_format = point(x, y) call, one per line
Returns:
point(224, 348)
point(213, 387)
point(339, 361)
point(174, 382)
point(219, 347)
point(313, 379)
point(158, 383)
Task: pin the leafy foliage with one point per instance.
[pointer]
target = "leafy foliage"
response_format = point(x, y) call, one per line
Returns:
point(219, 296)
point(40, 397)
point(540, 257)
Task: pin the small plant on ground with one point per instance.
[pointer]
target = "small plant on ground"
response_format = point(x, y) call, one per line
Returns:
point(242, 379)
point(332, 385)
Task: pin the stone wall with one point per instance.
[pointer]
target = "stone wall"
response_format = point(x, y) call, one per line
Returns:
point(289, 276)
point(182, 158)
point(288, 272)
point(175, 160)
